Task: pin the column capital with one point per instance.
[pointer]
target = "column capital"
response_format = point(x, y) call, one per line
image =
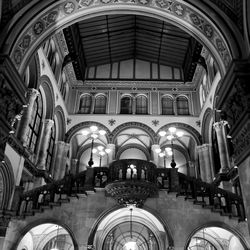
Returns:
point(32, 95)
point(48, 123)
point(203, 147)
point(219, 125)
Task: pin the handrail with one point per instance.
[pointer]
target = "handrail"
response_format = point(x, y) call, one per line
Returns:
point(205, 194)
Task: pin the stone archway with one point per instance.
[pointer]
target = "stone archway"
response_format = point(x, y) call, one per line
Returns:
point(46, 19)
point(110, 220)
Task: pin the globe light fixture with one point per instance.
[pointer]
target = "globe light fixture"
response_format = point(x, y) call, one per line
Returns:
point(93, 133)
point(171, 135)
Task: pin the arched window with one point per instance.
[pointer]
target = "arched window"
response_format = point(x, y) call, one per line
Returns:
point(85, 104)
point(141, 104)
point(35, 123)
point(126, 105)
point(182, 105)
point(167, 105)
point(50, 149)
point(100, 104)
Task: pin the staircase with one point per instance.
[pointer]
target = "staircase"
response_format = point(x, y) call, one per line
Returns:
point(54, 194)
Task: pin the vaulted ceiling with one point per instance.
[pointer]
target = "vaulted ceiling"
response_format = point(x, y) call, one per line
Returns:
point(113, 38)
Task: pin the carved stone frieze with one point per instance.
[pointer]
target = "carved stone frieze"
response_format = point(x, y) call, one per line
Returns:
point(233, 9)
point(131, 192)
point(238, 102)
point(241, 142)
point(10, 105)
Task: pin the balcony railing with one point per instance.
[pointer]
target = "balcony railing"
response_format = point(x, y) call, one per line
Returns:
point(130, 181)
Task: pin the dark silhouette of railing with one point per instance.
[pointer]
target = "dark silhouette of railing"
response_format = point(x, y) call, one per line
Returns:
point(201, 193)
point(210, 196)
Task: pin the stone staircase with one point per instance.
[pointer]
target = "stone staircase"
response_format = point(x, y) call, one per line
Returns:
point(54, 194)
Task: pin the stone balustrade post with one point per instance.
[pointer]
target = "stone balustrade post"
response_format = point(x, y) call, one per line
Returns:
point(44, 143)
point(222, 145)
point(26, 117)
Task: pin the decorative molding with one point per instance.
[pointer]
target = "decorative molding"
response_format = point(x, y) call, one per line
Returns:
point(131, 192)
point(155, 123)
point(111, 122)
point(241, 141)
point(180, 11)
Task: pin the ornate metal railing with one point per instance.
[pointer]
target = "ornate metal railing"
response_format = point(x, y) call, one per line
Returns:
point(51, 194)
point(210, 196)
point(131, 181)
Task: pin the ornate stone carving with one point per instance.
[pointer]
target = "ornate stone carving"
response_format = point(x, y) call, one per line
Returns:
point(68, 9)
point(242, 141)
point(131, 192)
point(10, 105)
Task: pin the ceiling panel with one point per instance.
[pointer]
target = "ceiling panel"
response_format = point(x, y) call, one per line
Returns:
point(110, 38)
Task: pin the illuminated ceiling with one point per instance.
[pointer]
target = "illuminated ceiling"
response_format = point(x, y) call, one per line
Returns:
point(113, 38)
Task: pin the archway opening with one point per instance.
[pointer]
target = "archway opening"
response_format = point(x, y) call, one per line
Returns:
point(215, 238)
point(131, 228)
point(46, 236)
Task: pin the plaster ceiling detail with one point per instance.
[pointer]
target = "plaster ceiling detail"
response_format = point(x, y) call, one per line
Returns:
point(61, 13)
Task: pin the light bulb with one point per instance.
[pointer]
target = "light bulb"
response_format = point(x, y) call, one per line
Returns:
point(170, 137)
point(101, 153)
point(162, 133)
point(100, 148)
point(107, 150)
point(102, 132)
point(161, 154)
point(85, 132)
point(94, 136)
point(93, 128)
point(179, 133)
point(172, 130)
point(157, 150)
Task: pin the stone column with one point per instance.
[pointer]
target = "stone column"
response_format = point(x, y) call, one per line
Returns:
point(92, 108)
point(61, 152)
point(222, 145)
point(26, 117)
point(111, 155)
point(73, 166)
point(192, 171)
point(45, 143)
point(175, 106)
point(133, 105)
point(64, 160)
point(154, 155)
point(205, 162)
